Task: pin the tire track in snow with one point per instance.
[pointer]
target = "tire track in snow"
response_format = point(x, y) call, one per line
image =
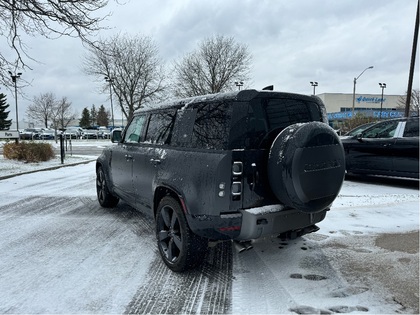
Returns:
point(50, 244)
point(206, 290)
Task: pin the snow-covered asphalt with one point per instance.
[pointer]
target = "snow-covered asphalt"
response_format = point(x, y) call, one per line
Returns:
point(62, 253)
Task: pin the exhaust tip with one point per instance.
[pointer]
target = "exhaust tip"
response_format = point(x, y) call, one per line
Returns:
point(243, 246)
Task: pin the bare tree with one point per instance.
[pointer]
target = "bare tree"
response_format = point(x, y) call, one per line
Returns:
point(48, 18)
point(131, 66)
point(62, 114)
point(414, 101)
point(43, 108)
point(214, 67)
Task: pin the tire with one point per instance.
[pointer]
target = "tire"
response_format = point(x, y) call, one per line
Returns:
point(179, 247)
point(105, 198)
point(306, 166)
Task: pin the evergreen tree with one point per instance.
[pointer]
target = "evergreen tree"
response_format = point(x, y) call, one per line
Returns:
point(103, 117)
point(85, 121)
point(93, 116)
point(4, 122)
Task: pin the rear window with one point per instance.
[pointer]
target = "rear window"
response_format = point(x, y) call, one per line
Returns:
point(285, 112)
point(268, 117)
point(411, 128)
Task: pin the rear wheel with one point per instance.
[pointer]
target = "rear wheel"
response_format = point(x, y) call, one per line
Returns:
point(105, 198)
point(179, 247)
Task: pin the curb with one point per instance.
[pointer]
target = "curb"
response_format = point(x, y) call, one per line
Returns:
point(46, 169)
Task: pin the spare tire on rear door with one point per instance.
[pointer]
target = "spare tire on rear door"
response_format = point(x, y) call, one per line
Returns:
point(306, 166)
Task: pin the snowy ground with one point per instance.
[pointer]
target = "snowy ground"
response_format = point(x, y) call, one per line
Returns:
point(343, 268)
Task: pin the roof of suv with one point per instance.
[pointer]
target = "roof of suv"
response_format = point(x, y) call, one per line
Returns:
point(244, 95)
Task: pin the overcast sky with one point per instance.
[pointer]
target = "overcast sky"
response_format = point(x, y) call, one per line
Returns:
point(291, 43)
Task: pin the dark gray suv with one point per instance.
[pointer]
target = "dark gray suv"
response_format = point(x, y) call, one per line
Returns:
point(230, 166)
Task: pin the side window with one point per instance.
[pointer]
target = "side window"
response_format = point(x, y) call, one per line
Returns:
point(211, 126)
point(383, 130)
point(411, 128)
point(134, 130)
point(184, 127)
point(160, 127)
point(205, 126)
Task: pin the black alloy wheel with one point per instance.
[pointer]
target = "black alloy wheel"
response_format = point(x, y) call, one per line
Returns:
point(105, 198)
point(179, 247)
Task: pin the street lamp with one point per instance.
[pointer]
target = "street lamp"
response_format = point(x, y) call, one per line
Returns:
point(239, 84)
point(314, 84)
point(354, 88)
point(382, 86)
point(110, 80)
point(14, 78)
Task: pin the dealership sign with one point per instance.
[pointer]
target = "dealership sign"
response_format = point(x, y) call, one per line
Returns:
point(9, 134)
point(364, 99)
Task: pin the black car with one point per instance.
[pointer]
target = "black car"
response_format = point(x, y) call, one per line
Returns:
point(230, 166)
point(389, 147)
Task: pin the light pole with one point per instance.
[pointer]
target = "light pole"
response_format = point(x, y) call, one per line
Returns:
point(14, 78)
point(110, 80)
point(314, 84)
point(382, 86)
point(239, 84)
point(354, 88)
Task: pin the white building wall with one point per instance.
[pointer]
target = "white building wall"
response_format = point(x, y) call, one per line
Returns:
point(334, 102)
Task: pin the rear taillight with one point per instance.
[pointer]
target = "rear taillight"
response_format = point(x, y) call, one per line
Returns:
point(236, 188)
point(237, 172)
point(237, 168)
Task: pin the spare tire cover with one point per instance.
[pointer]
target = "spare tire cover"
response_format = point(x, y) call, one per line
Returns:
point(306, 166)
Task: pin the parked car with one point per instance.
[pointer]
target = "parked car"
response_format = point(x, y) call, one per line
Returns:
point(104, 133)
point(90, 134)
point(230, 166)
point(357, 130)
point(70, 134)
point(30, 134)
point(47, 134)
point(73, 132)
point(389, 147)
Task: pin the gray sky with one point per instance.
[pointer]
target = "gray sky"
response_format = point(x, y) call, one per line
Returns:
point(291, 42)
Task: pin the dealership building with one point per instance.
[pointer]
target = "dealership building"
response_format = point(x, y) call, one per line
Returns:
point(340, 106)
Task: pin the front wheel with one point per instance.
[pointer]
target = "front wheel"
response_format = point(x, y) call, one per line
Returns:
point(179, 247)
point(105, 198)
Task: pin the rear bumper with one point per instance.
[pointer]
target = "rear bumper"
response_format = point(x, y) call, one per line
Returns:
point(272, 220)
point(253, 223)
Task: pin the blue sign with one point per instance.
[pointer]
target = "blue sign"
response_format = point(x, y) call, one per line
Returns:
point(373, 99)
point(386, 114)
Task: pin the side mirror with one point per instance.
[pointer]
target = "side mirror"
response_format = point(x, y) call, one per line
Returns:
point(359, 137)
point(116, 136)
